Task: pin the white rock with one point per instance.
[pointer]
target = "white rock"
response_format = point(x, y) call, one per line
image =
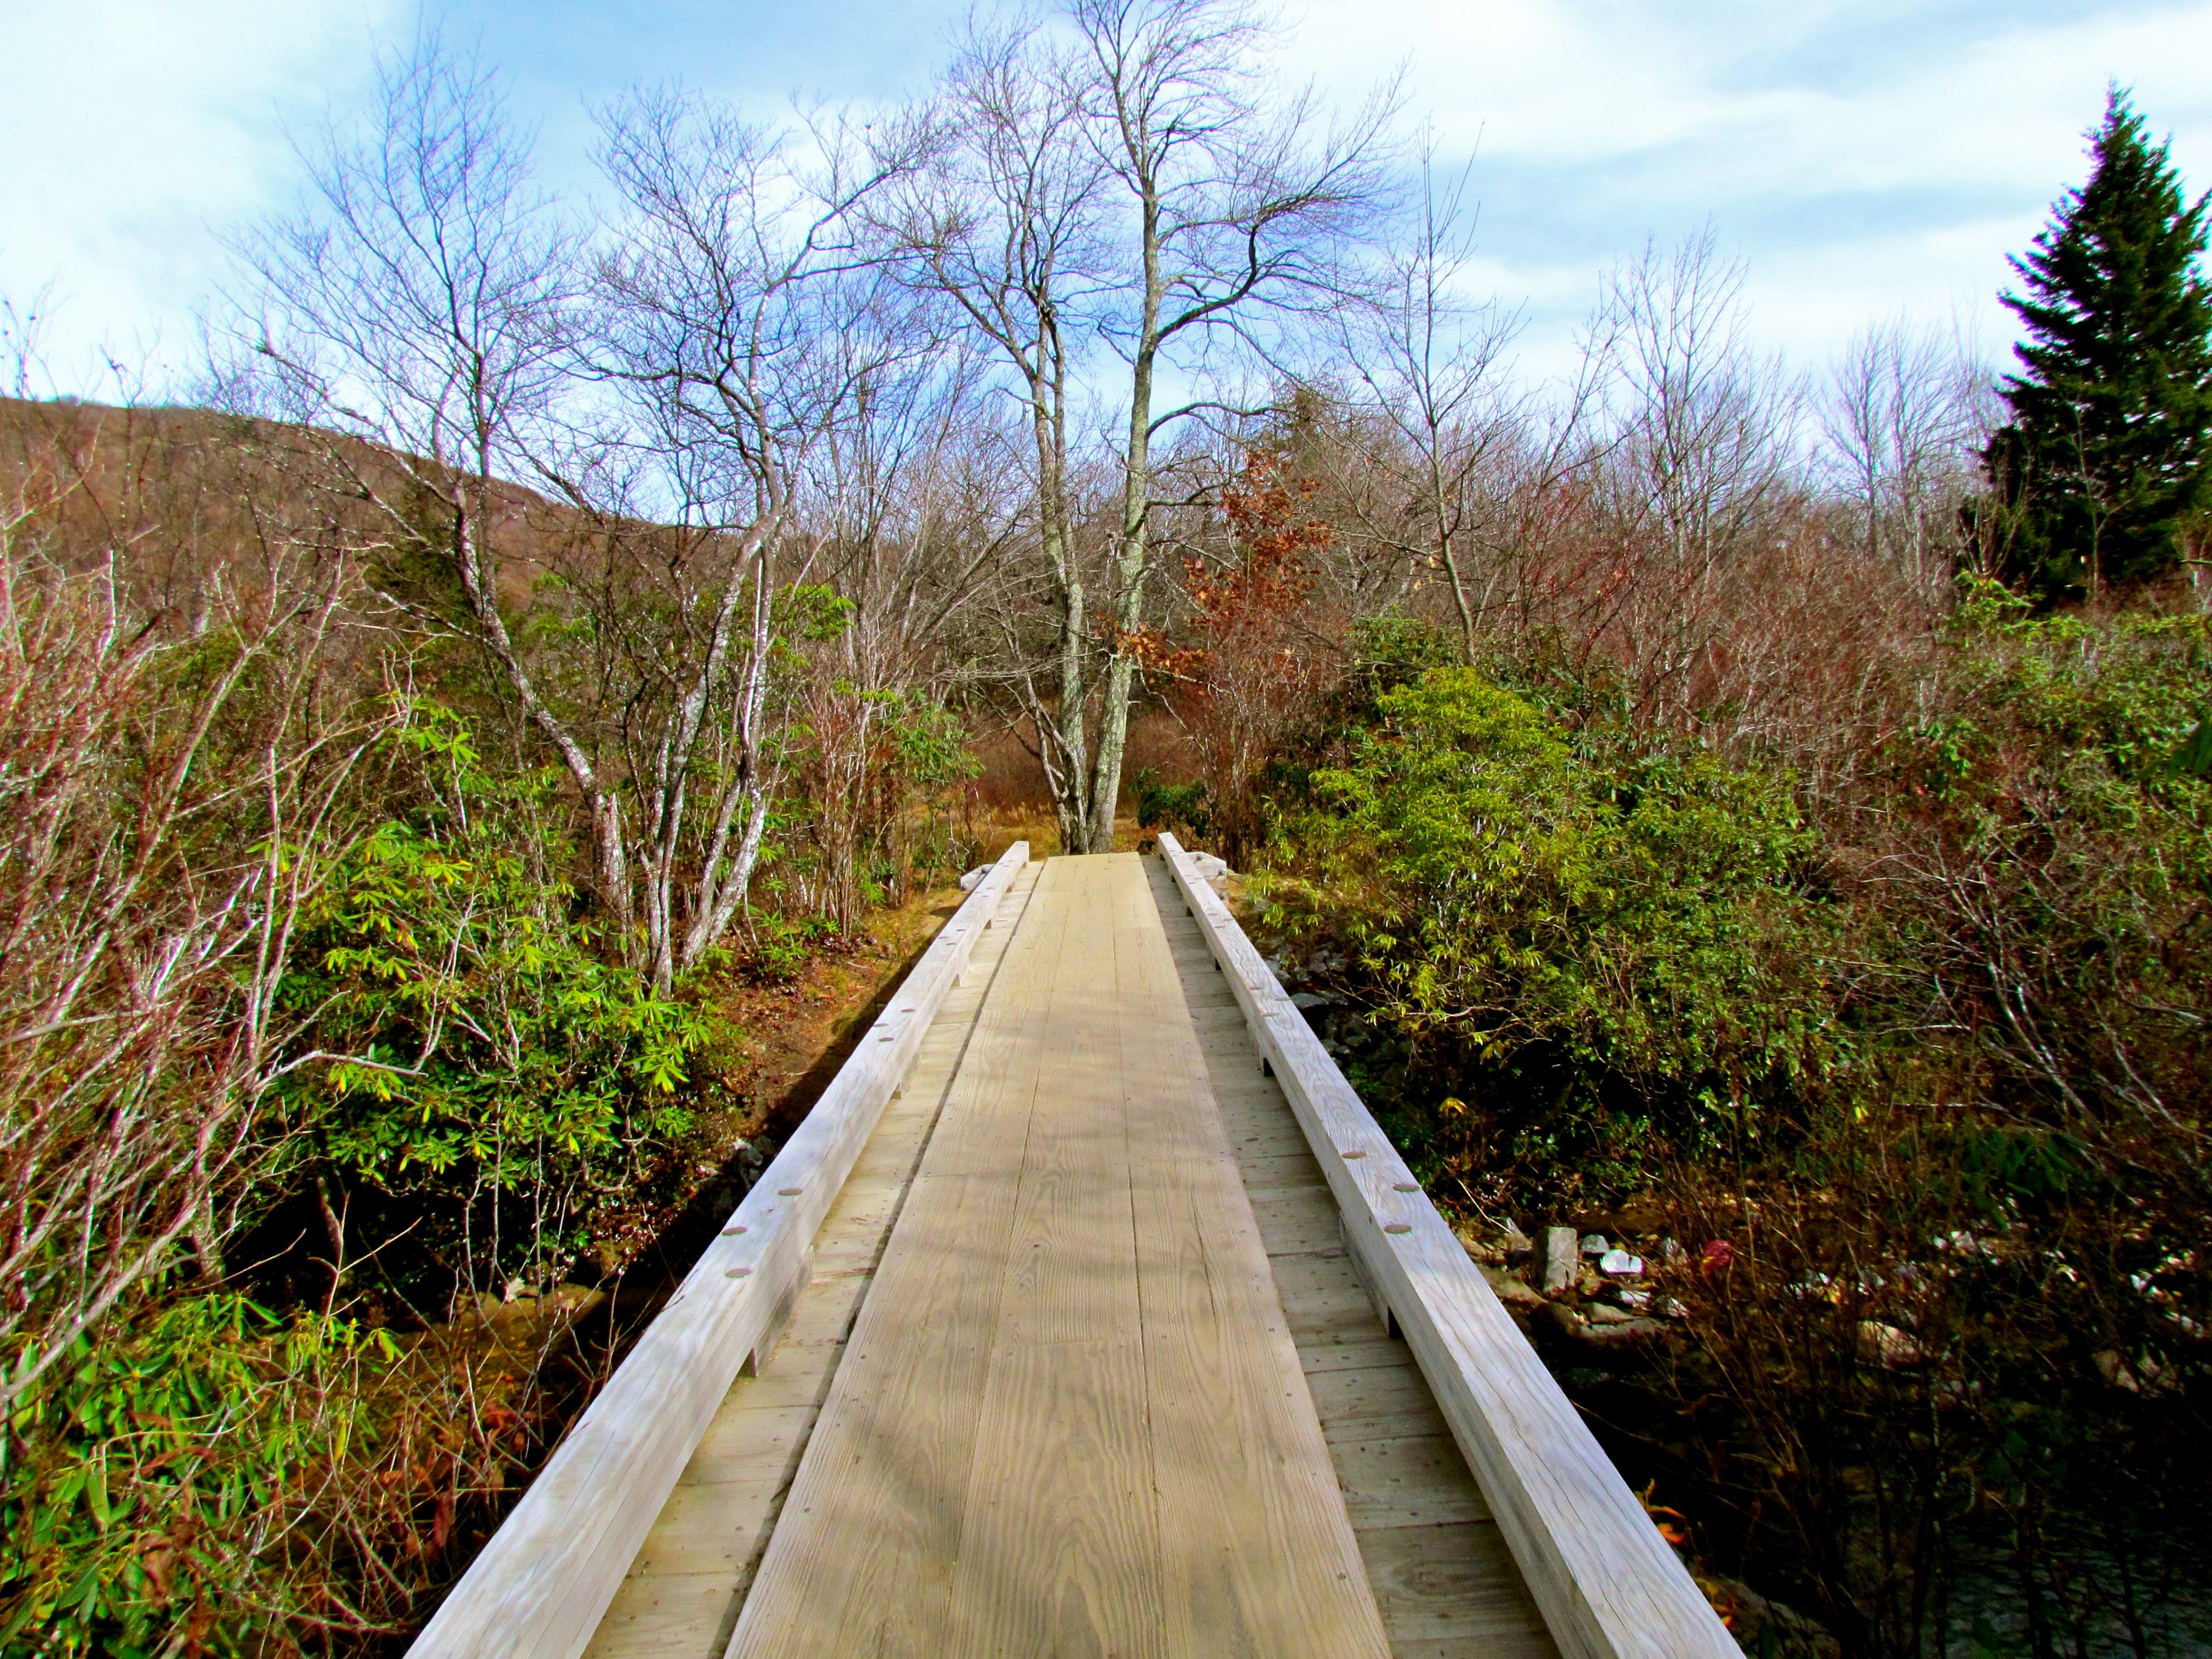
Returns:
point(1887, 1344)
point(1559, 1258)
point(1621, 1262)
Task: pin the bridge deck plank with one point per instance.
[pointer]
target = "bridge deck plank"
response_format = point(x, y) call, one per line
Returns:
point(1231, 1419)
point(894, 1443)
point(1070, 1419)
point(1441, 1576)
point(682, 1595)
point(1084, 1366)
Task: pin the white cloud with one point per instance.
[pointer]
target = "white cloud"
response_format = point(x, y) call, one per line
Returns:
point(1867, 158)
point(134, 130)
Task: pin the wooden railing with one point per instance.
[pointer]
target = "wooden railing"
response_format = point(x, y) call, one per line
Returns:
point(541, 1585)
point(1607, 1584)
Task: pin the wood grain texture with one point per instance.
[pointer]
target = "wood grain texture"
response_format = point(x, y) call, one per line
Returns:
point(540, 1588)
point(1058, 1551)
point(1070, 1420)
point(1443, 1585)
point(889, 1466)
point(1242, 1469)
point(1438, 1589)
point(681, 1596)
point(1609, 1586)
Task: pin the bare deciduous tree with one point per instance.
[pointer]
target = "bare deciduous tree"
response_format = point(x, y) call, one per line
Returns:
point(1003, 223)
point(744, 321)
point(1428, 365)
point(1906, 410)
point(916, 513)
point(169, 803)
point(424, 304)
point(1131, 176)
point(1237, 202)
point(1705, 457)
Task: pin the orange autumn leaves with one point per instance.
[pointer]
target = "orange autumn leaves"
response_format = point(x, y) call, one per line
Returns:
point(1254, 652)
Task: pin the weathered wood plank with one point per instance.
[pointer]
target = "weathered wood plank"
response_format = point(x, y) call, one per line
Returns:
point(1299, 1224)
point(1609, 1586)
point(1058, 1551)
point(1126, 1460)
point(1288, 1173)
point(1315, 1358)
point(1058, 1554)
point(681, 1596)
point(682, 1613)
point(862, 1559)
point(1405, 1480)
point(1453, 1589)
point(1257, 1552)
point(1468, 1591)
point(709, 1529)
point(538, 1589)
point(1378, 1400)
point(1324, 1300)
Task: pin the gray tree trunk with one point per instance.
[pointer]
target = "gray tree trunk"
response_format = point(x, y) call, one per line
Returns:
point(1131, 565)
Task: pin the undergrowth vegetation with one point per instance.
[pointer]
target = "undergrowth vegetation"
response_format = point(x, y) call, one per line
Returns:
point(490, 1075)
point(1919, 1067)
point(340, 1096)
point(220, 1473)
point(1607, 926)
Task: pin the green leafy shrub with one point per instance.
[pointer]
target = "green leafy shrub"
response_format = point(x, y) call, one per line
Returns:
point(2048, 887)
point(172, 1468)
point(880, 775)
point(1608, 932)
point(1931, 1063)
point(1170, 806)
point(934, 764)
point(780, 948)
point(208, 1478)
point(481, 1059)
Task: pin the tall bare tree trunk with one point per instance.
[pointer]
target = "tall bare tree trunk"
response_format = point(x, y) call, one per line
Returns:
point(1131, 564)
point(1070, 775)
point(479, 584)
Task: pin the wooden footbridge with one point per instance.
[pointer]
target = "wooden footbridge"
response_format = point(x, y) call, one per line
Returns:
point(1088, 1314)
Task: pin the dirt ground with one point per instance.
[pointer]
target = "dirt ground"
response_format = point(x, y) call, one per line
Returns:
point(797, 1035)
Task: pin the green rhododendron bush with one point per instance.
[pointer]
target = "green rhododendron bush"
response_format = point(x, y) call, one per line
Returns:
point(213, 1474)
point(1612, 930)
point(1914, 1067)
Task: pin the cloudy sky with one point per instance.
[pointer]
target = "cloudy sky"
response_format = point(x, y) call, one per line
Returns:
point(1865, 157)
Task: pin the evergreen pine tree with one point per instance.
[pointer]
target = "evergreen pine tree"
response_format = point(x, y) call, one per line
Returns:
point(2108, 456)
